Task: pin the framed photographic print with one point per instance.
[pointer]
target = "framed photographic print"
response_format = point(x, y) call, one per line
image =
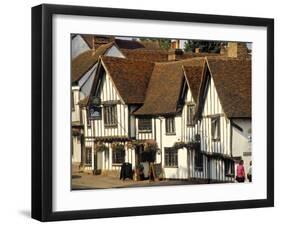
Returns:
point(146, 112)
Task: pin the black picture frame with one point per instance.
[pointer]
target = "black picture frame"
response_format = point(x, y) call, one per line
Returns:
point(42, 111)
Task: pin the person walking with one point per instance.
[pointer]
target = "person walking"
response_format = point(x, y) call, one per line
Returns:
point(249, 174)
point(240, 172)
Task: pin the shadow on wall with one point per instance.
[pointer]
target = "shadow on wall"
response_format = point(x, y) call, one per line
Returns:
point(181, 173)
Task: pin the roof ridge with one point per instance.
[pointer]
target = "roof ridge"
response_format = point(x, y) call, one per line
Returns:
point(126, 59)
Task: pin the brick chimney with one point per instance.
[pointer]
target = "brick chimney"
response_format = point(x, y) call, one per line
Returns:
point(237, 49)
point(175, 44)
point(101, 40)
point(174, 54)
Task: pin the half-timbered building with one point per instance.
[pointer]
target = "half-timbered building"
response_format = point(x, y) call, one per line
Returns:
point(224, 116)
point(196, 110)
point(170, 104)
point(118, 90)
point(83, 70)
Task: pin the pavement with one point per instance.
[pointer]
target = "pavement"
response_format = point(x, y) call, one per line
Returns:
point(89, 181)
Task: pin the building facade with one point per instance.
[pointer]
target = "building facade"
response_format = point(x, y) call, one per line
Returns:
point(178, 106)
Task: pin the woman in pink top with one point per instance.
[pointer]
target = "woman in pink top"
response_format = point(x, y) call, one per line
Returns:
point(240, 172)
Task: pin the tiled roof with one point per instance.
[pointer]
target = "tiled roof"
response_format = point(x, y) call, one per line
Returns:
point(128, 44)
point(194, 75)
point(131, 77)
point(151, 55)
point(232, 79)
point(164, 88)
point(85, 61)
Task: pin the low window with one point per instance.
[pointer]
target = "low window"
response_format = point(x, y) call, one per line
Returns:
point(72, 102)
point(190, 114)
point(88, 159)
point(170, 125)
point(118, 156)
point(171, 157)
point(215, 126)
point(198, 160)
point(110, 115)
point(229, 167)
point(145, 124)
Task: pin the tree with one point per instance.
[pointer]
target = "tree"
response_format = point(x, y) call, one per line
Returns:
point(204, 46)
point(163, 42)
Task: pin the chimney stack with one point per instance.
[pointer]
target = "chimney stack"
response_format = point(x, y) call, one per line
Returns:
point(101, 40)
point(174, 54)
point(237, 50)
point(175, 44)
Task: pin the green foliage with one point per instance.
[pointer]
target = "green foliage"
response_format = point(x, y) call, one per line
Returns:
point(163, 42)
point(150, 146)
point(101, 147)
point(118, 147)
point(179, 145)
point(204, 46)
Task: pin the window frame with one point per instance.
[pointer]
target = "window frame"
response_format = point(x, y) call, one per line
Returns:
point(198, 160)
point(171, 163)
point(218, 126)
point(229, 162)
point(168, 130)
point(190, 118)
point(142, 129)
point(109, 111)
point(72, 101)
point(88, 161)
point(114, 157)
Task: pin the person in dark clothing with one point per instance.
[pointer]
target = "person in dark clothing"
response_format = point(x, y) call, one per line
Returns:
point(126, 171)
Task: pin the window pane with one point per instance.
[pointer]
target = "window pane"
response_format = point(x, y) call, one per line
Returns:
point(190, 114)
point(215, 124)
point(110, 115)
point(170, 125)
point(171, 157)
point(145, 124)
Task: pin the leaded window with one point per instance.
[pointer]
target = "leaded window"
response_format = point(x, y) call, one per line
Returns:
point(215, 127)
point(88, 159)
point(171, 157)
point(190, 114)
point(145, 124)
point(110, 115)
point(170, 125)
point(118, 156)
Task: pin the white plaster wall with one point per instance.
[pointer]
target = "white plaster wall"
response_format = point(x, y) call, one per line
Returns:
point(241, 142)
point(212, 106)
point(76, 113)
point(108, 92)
point(76, 146)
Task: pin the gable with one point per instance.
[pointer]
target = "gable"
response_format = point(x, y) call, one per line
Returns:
point(113, 51)
point(228, 83)
point(107, 90)
point(233, 82)
point(130, 77)
point(211, 104)
point(165, 87)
